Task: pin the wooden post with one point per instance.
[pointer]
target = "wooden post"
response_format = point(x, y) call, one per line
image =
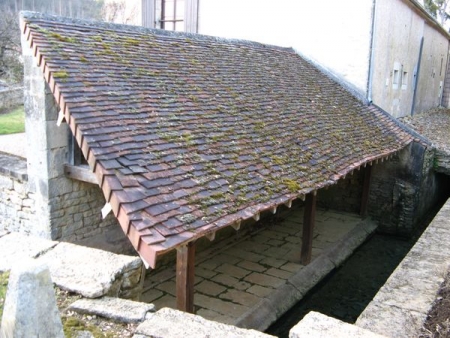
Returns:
point(308, 228)
point(365, 192)
point(185, 277)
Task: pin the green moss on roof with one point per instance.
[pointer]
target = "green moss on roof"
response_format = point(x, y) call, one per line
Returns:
point(197, 130)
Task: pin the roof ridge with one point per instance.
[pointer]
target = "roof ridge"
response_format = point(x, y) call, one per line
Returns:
point(104, 25)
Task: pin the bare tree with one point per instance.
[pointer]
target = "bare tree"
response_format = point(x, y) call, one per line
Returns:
point(438, 9)
point(10, 65)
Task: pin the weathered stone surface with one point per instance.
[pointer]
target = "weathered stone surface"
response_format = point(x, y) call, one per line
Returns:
point(172, 323)
point(30, 306)
point(15, 247)
point(311, 274)
point(119, 310)
point(342, 249)
point(391, 320)
point(262, 318)
point(89, 272)
point(317, 325)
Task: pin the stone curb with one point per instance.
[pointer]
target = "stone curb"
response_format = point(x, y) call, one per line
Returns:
point(318, 325)
point(173, 323)
point(400, 307)
point(272, 307)
point(116, 309)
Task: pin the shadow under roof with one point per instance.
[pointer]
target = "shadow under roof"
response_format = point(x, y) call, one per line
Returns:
point(187, 134)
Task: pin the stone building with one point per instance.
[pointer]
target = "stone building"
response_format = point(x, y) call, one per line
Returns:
point(182, 135)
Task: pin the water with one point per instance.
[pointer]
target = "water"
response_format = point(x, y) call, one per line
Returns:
point(348, 290)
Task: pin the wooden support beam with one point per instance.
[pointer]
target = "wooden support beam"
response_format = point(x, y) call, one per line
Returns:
point(365, 192)
point(308, 228)
point(185, 277)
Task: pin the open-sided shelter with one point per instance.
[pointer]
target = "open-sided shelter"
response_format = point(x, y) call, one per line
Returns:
point(187, 134)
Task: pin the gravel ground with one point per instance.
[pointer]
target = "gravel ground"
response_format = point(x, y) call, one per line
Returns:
point(14, 144)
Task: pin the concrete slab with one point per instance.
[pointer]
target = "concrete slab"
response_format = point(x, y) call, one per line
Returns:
point(89, 272)
point(15, 247)
point(116, 309)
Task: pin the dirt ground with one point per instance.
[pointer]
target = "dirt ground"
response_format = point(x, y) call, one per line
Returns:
point(438, 321)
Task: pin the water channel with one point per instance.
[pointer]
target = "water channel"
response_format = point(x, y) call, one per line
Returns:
point(346, 292)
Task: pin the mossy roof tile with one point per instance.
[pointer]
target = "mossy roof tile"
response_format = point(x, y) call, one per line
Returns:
point(201, 132)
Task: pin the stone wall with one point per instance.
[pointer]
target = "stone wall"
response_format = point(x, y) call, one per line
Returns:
point(345, 195)
point(11, 97)
point(16, 201)
point(404, 189)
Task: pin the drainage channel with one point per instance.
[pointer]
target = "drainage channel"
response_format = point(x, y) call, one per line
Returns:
point(345, 292)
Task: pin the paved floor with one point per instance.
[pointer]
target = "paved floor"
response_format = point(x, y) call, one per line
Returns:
point(233, 279)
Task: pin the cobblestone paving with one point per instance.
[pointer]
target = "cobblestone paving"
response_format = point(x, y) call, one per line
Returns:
point(231, 280)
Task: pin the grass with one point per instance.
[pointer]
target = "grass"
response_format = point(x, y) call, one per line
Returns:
point(73, 325)
point(3, 287)
point(12, 122)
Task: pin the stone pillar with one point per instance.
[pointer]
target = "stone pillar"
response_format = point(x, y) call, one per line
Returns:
point(47, 147)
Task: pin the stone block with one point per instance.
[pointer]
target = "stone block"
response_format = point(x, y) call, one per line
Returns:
point(59, 186)
point(6, 183)
point(233, 271)
point(15, 247)
point(210, 288)
point(90, 272)
point(240, 297)
point(172, 323)
point(231, 282)
point(116, 309)
point(57, 137)
point(264, 280)
point(252, 266)
point(390, 320)
point(311, 274)
point(317, 325)
point(30, 305)
point(258, 319)
point(343, 248)
point(260, 291)
point(220, 306)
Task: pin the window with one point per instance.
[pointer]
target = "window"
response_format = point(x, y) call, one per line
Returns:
point(396, 75)
point(172, 15)
point(404, 80)
point(177, 15)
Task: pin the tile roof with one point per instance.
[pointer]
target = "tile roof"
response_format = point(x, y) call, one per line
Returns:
point(434, 125)
point(188, 133)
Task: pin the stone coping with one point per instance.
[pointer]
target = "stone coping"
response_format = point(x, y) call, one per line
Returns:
point(400, 308)
point(173, 323)
point(318, 325)
point(13, 166)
